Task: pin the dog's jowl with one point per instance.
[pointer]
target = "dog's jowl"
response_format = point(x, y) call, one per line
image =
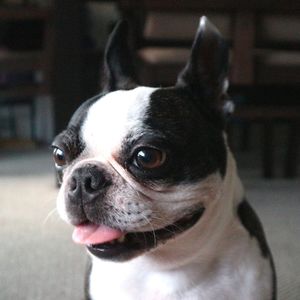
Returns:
point(151, 187)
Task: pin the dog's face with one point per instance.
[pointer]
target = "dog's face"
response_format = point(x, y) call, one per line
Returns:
point(140, 165)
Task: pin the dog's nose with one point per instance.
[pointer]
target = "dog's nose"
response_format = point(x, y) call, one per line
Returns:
point(87, 183)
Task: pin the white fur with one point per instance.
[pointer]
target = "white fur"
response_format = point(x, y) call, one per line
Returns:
point(112, 117)
point(221, 262)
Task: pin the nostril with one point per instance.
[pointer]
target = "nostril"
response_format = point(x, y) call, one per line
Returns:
point(74, 191)
point(73, 184)
point(93, 184)
point(88, 185)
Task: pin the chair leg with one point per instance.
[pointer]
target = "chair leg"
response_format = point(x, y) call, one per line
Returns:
point(245, 137)
point(230, 133)
point(268, 149)
point(292, 155)
point(12, 121)
point(32, 120)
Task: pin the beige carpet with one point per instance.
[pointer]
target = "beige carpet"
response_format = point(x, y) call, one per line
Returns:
point(39, 261)
point(37, 257)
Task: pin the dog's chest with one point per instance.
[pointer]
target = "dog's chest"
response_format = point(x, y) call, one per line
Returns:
point(135, 281)
point(244, 275)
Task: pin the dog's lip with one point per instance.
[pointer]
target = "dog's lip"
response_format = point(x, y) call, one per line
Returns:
point(128, 244)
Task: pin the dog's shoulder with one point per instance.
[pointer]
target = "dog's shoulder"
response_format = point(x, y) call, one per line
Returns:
point(252, 224)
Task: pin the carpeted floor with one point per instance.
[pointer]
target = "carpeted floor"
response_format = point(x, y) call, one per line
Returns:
point(39, 261)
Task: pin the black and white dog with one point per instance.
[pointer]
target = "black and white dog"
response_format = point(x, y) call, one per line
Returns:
point(151, 187)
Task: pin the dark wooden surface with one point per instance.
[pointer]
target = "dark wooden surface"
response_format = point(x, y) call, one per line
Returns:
point(224, 5)
point(67, 61)
point(242, 72)
point(19, 13)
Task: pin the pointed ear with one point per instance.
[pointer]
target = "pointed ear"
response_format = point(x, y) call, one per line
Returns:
point(205, 73)
point(118, 61)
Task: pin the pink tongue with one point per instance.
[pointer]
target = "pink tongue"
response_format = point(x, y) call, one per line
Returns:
point(91, 234)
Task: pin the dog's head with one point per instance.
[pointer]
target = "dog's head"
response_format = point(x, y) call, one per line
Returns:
point(140, 165)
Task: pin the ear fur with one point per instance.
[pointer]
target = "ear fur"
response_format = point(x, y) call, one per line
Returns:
point(206, 71)
point(118, 61)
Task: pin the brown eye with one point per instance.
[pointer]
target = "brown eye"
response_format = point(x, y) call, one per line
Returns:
point(149, 158)
point(59, 157)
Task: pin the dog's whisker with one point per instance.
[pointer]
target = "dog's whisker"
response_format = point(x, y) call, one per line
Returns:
point(153, 231)
point(178, 228)
point(49, 215)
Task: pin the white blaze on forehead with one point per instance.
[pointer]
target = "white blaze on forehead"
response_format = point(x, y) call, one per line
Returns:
point(112, 117)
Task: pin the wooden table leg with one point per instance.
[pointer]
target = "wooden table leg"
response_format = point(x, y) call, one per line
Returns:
point(268, 149)
point(292, 154)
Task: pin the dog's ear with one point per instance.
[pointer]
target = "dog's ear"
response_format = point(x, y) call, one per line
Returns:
point(205, 74)
point(118, 61)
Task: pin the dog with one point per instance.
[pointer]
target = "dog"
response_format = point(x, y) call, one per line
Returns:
point(151, 187)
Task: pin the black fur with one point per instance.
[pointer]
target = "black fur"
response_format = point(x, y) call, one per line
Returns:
point(173, 124)
point(70, 140)
point(119, 68)
point(187, 116)
point(207, 68)
point(173, 112)
point(253, 225)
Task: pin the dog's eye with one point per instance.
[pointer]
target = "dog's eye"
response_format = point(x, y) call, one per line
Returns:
point(59, 157)
point(149, 158)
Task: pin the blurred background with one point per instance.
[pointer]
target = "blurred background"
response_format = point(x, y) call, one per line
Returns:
point(50, 62)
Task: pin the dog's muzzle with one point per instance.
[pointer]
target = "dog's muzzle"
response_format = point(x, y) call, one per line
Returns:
point(86, 191)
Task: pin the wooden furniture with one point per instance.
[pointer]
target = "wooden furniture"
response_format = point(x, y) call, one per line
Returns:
point(165, 29)
point(163, 34)
point(75, 68)
point(272, 62)
point(20, 61)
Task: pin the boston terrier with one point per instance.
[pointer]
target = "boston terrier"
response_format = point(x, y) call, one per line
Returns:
point(151, 187)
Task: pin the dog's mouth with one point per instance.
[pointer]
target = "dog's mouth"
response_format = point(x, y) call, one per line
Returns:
point(120, 246)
